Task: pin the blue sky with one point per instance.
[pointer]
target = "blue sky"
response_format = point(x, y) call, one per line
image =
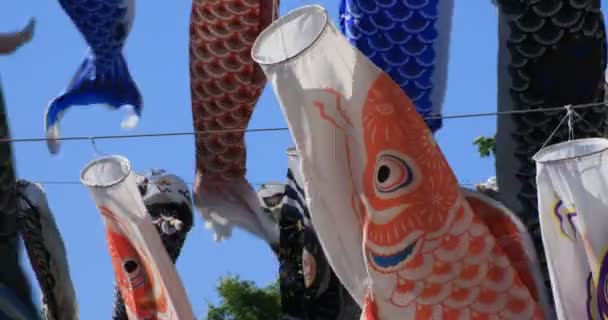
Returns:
point(157, 53)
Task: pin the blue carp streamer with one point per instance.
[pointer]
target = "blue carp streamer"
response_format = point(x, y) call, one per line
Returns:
point(103, 77)
point(409, 40)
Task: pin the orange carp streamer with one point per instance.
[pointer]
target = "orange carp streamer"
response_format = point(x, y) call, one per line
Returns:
point(145, 275)
point(406, 241)
point(143, 295)
point(428, 250)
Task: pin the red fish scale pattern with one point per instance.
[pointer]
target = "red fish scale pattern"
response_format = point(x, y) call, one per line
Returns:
point(225, 82)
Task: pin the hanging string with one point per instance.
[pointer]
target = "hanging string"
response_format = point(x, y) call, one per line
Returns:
point(67, 183)
point(601, 134)
point(97, 153)
point(568, 116)
point(189, 133)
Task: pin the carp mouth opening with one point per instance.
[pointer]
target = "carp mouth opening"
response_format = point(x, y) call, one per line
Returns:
point(390, 261)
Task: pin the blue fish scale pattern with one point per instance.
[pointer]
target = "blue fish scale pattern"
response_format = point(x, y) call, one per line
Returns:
point(398, 36)
point(103, 23)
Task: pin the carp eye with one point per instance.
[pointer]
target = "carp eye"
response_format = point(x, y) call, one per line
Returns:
point(131, 266)
point(134, 272)
point(392, 174)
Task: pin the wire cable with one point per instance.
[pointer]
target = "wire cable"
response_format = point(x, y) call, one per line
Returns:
point(168, 134)
point(190, 133)
point(69, 183)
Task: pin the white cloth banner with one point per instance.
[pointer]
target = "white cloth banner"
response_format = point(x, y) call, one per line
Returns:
point(148, 281)
point(384, 202)
point(572, 180)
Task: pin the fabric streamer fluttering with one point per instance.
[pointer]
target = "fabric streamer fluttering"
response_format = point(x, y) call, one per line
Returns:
point(167, 200)
point(402, 236)
point(225, 87)
point(103, 78)
point(572, 184)
point(148, 281)
point(324, 295)
point(550, 54)
point(289, 250)
point(10, 42)
point(15, 293)
point(309, 287)
point(271, 196)
point(410, 41)
point(46, 250)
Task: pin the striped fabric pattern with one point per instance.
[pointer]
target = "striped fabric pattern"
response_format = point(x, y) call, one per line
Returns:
point(309, 287)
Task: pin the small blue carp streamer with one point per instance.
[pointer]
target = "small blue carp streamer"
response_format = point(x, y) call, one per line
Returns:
point(103, 77)
point(409, 40)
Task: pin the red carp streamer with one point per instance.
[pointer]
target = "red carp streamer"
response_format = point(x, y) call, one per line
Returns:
point(225, 86)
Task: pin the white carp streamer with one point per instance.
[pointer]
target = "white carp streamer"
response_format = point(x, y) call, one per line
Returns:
point(400, 234)
point(148, 280)
point(572, 182)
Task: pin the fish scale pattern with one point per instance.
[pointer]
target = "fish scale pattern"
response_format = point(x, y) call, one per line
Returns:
point(41, 260)
point(103, 77)
point(47, 252)
point(556, 56)
point(103, 23)
point(225, 81)
point(466, 274)
point(402, 38)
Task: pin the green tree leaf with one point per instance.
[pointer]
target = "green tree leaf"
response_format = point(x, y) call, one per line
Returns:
point(486, 146)
point(244, 300)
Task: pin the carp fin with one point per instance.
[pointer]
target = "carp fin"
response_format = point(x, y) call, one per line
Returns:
point(95, 82)
point(513, 237)
point(370, 309)
point(225, 205)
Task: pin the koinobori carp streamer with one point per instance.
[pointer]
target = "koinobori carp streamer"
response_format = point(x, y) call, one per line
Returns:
point(10, 42)
point(571, 179)
point(324, 295)
point(103, 77)
point(404, 239)
point(15, 292)
point(309, 287)
point(410, 41)
point(167, 200)
point(225, 87)
point(47, 253)
point(148, 281)
point(550, 54)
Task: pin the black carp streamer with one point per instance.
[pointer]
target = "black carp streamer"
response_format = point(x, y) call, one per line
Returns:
point(551, 54)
